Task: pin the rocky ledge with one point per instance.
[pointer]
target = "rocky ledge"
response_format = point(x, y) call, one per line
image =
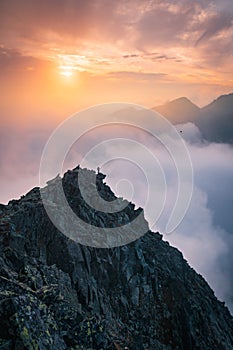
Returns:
point(58, 294)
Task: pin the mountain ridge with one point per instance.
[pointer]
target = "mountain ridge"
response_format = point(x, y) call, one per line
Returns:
point(58, 294)
point(215, 120)
point(178, 110)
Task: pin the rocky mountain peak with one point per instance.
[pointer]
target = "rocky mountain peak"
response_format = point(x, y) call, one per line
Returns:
point(56, 293)
point(223, 101)
point(216, 121)
point(179, 110)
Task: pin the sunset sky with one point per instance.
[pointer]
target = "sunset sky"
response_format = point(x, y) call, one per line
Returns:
point(59, 56)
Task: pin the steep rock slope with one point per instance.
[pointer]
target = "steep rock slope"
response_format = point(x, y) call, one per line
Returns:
point(58, 294)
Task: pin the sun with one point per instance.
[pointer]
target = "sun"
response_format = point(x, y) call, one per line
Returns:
point(66, 71)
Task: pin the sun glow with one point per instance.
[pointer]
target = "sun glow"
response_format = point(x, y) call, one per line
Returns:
point(66, 71)
point(69, 64)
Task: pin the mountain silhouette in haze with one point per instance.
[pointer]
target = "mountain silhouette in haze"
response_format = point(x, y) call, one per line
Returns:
point(215, 121)
point(58, 294)
point(179, 111)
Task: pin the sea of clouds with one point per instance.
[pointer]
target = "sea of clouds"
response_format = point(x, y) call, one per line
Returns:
point(205, 234)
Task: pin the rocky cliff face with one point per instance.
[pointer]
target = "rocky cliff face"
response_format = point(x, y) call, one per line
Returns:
point(58, 294)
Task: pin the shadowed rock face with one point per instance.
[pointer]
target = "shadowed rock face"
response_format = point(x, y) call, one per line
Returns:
point(58, 294)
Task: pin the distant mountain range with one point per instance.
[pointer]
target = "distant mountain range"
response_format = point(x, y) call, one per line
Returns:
point(215, 120)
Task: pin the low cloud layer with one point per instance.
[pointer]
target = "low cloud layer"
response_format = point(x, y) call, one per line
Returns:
point(205, 235)
point(20, 153)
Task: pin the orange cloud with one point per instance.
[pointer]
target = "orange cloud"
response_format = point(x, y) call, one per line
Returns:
point(113, 48)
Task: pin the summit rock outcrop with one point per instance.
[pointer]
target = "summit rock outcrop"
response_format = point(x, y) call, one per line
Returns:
point(57, 294)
